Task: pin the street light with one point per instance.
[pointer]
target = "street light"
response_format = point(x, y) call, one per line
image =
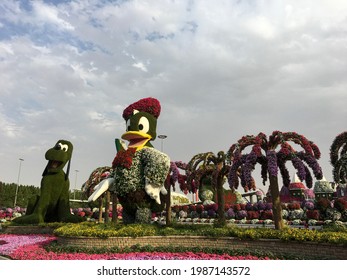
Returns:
point(74, 192)
point(15, 197)
point(162, 137)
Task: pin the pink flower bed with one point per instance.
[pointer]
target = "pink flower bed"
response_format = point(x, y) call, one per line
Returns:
point(30, 247)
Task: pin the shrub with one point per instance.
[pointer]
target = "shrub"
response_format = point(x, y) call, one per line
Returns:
point(249, 206)
point(323, 204)
point(309, 205)
point(266, 215)
point(237, 207)
point(313, 214)
point(212, 213)
point(296, 214)
point(199, 208)
point(230, 213)
point(333, 214)
point(340, 204)
point(253, 215)
point(285, 214)
point(241, 214)
point(261, 205)
point(294, 206)
point(268, 206)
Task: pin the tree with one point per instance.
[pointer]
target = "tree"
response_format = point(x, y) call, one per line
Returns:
point(98, 175)
point(272, 154)
point(170, 182)
point(25, 192)
point(338, 158)
point(209, 165)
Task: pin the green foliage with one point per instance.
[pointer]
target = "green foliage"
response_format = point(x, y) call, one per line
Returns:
point(54, 247)
point(136, 230)
point(8, 192)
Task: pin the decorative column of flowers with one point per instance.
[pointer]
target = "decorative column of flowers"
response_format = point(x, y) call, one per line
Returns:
point(272, 154)
point(170, 182)
point(338, 158)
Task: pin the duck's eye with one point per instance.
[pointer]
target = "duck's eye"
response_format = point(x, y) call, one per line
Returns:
point(143, 125)
point(128, 125)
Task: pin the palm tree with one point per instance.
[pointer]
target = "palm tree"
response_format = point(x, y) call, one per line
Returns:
point(338, 158)
point(272, 154)
point(209, 165)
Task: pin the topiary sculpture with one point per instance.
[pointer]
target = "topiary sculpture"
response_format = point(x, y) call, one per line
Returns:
point(52, 205)
point(139, 170)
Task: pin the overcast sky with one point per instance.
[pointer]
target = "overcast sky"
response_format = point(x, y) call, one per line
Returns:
point(221, 70)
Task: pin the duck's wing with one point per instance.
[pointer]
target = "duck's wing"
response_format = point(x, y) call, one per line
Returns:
point(100, 189)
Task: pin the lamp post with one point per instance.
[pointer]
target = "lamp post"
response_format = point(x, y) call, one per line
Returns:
point(74, 192)
point(162, 137)
point(15, 197)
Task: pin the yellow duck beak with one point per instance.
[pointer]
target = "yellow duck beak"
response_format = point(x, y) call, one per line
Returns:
point(136, 139)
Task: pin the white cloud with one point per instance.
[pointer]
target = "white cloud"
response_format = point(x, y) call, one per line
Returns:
point(140, 66)
point(262, 27)
point(49, 14)
point(221, 70)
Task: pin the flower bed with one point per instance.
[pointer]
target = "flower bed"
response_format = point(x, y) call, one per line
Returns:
point(307, 212)
point(32, 247)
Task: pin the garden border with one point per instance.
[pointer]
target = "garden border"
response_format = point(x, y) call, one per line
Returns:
point(307, 250)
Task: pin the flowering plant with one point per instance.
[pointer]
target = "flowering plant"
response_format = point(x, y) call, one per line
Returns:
point(241, 214)
point(149, 105)
point(268, 221)
point(313, 214)
point(323, 187)
point(296, 214)
point(309, 205)
point(230, 213)
point(285, 213)
point(339, 148)
point(144, 167)
point(296, 222)
point(124, 158)
point(182, 214)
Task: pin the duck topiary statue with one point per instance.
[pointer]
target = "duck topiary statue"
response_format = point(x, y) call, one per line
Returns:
point(139, 170)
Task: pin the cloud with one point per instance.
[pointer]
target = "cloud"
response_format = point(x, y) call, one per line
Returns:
point(44, 13)
point(221, 70)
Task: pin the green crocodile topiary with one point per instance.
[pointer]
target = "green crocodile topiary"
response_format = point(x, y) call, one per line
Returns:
point(52, 205)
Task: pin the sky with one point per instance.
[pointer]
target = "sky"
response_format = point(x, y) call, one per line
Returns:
point(220, 69)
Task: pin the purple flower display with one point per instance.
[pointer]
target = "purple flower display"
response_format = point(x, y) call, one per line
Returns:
point(241, 214)
point(272, 162)
point(299, 166)
point(230, 213)
point(261, 205)
point(338, 157)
